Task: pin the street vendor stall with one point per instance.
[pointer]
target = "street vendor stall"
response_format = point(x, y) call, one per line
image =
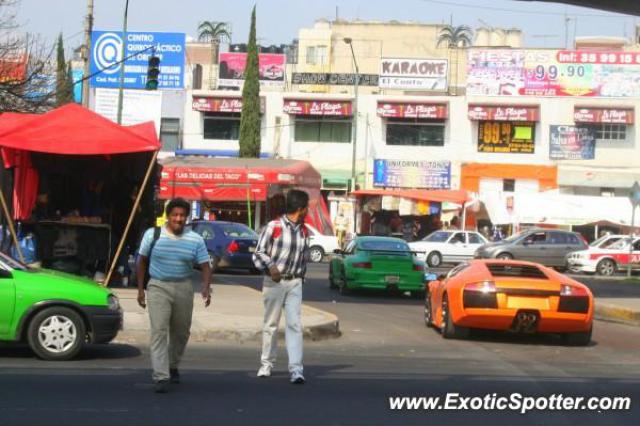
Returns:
point(76, 177)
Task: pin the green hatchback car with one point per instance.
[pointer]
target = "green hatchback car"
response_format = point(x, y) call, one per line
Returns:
point(55, 313)
point(377, 263)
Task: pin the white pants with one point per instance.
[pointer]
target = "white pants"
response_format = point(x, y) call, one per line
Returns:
point(286, 294)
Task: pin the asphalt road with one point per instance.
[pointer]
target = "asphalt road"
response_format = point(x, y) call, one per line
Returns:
point(385, 351)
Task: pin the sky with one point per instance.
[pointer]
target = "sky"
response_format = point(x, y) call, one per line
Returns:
point(278, 21)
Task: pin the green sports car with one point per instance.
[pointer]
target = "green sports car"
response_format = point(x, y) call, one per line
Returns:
point(377, 263)
point(55, 313)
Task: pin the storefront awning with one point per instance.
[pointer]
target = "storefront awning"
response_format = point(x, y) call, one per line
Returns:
point(251, 192)
point(438, 111)
point(504, 113)
point(221, 104)
point(440, 196)
point(603, 115)
point(319, 107)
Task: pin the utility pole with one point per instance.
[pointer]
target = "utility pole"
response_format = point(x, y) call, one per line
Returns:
point(86, 53)
point(124, 49)
point(354, 127)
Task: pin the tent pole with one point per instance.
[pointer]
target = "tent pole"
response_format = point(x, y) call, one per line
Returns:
point(131, 215)
point(5, 209)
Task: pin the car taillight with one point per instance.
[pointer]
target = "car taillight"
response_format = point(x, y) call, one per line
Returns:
point(482, 287)
point(362, 265)
point(233, 247)
point(418, 268)
point(571, 290)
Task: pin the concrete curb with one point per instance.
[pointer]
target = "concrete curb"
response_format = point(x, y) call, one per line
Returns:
point(608, 312)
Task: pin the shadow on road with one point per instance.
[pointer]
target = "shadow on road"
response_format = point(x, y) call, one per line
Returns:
point(88, 353)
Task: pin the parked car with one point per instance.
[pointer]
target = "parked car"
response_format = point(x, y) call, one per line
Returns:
point(512, 296)
point(605, 261)
point(230, 245)
point(606, 240)
point(320, 244)
point(546, 246)
point(377, 263)
point(447, 247)
point(54, 312)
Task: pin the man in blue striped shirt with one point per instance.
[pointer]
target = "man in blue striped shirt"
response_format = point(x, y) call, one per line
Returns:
point(172, 254)
point(281, 254)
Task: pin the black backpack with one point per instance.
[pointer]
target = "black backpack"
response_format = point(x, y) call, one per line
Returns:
point(156, 236)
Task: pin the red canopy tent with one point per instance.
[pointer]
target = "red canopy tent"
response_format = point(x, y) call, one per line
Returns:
point(68, 130)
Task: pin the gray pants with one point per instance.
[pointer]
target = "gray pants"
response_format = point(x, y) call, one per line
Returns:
point(287, 295)
point(170, 309)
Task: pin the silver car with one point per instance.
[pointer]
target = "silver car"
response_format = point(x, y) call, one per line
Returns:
point(546, 246)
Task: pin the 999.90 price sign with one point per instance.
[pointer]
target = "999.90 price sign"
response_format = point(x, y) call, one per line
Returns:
point(506, 137)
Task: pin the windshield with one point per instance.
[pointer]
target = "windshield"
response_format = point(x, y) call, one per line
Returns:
point(399, 246)
point(514, 237)
point(600, 242)
point(12, 263)
point(237, 230)
point(618, 245)
point(437, 237)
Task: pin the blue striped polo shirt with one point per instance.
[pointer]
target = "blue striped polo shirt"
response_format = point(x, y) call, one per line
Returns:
point(173, 256)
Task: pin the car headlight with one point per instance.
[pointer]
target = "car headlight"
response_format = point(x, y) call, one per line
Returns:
point(113, 303)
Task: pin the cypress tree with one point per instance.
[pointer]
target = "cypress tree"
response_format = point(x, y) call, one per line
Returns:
point(250, 119)
point(62, 81)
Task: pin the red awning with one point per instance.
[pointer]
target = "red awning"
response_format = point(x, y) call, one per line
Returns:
point(221, 104)
point(318, 107)
point(74, 130)
point(413, 110)
point(603, 115)
point(503, 113)
point(253, 192)
point(438, 196)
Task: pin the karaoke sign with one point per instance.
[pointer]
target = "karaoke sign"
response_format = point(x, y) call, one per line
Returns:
point(106, 52)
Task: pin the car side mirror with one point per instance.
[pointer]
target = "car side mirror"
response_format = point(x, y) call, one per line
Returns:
point(430, 277)
point(5, 274)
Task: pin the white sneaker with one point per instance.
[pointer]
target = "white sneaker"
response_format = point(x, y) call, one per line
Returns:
point(264, 371)
point(297, 378)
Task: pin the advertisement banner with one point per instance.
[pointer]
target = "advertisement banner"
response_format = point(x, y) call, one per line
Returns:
point(412, 110)
point(572, 143)
point(603, 115)
point(138, 106)
point(506, 137)
point(412, 174)
point(13, 67)
point(321, 108)
point(414, 74)
point(221, 104)
point(502, 72)
point(502, 113)
point(106, 52)
point(231, 69)
point(333, 79)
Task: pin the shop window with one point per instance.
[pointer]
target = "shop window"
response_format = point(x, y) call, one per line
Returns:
point(607, 192)
point(170, 134)
point(415, 132)
point(611, 132)
point(223, 126)
point(508, 185)
point(197, 77)
point(321, 129)
point(316, 55)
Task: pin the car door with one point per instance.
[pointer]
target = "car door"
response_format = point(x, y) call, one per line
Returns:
point(532, 247)
point(455, 248)
point(474, 242)
point(635, 255)
point(7, 300)
point(558, 246)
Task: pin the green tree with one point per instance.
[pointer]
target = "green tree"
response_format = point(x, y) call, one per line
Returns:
point(214, 33)
point(455, 38)
point(64, 93)
point(250, 119)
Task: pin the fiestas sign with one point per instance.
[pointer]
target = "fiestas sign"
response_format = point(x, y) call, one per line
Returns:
point(232, 65)
point(572, 143)
point(106, 52)
point(414, 74)
point(412, 174)
point(516, 72)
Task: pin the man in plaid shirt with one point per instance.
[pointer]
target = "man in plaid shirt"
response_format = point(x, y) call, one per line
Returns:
point(281, 253)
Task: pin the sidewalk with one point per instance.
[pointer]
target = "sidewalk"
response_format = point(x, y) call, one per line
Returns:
point(625, 310)
point(235, 314)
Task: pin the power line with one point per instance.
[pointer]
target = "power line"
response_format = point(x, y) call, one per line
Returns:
point(525, 12)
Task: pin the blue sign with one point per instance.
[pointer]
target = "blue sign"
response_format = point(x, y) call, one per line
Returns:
point(572, 143)
point(77, 75)
point(106, 52)
point(412, 174)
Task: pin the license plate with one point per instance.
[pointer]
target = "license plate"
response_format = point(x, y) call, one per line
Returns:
point(252, 249)
point(392, 279)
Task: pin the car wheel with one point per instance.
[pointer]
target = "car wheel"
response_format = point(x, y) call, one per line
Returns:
point(505, 256)
point(316, 254)
point(56, 334)
point(449, 329)
point(606, 267)
point(428, 315)
point(213, 262)
point(332, 282)
point(578, 339)
point(434, 259)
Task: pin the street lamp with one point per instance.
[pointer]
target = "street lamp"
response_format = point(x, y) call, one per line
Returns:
point(354, 126)
point(122, 56)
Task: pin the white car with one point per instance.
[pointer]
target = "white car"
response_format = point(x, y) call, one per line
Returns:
point(605, 261)
point(606, 240)
point(447, 247)
point(320, 244)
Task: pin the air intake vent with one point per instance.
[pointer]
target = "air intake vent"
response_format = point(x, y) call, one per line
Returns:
point(520, 271)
